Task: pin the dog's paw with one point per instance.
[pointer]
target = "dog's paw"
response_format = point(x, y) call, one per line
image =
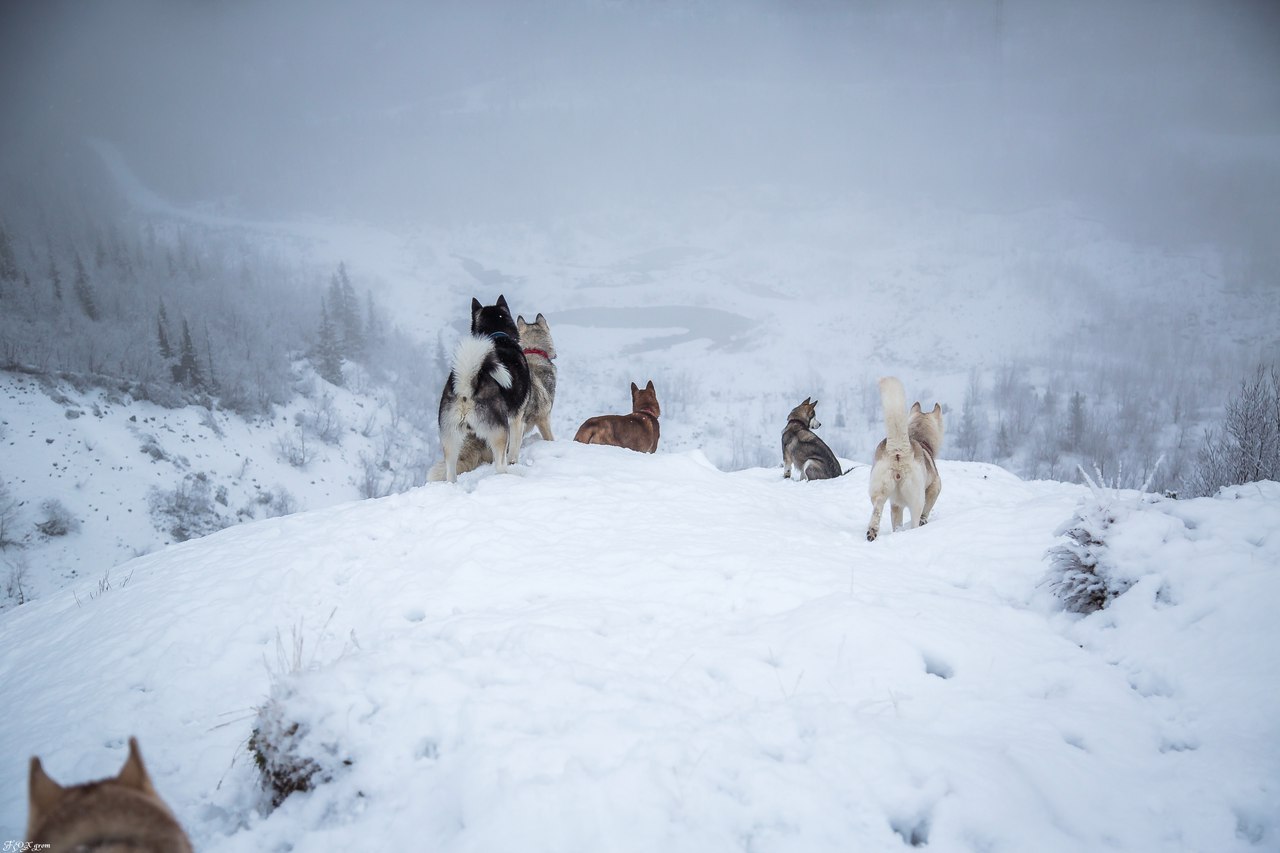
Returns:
point(871, 534)
point(924, 519)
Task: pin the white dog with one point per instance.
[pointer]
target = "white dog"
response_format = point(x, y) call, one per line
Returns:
point(904, 472)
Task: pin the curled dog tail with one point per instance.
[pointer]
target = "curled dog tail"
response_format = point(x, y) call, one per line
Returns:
point(473, 357)
point(894, 402)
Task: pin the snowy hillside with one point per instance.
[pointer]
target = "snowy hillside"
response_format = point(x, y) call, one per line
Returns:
point(97, 477)
point(614, 651)
point(735, 311)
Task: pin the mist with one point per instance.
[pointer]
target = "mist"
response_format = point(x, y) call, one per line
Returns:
point(1162, 118)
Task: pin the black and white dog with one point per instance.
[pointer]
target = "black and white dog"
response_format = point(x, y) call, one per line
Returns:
point(487, 389)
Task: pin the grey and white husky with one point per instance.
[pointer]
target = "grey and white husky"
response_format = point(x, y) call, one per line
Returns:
point(487, 389)
point(540, 352)
point(904, 472)
point(804, 455)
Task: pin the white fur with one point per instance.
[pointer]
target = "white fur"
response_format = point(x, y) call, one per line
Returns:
point(468, 360)
point(897, 476)
point(893, 400)
point(501, 375)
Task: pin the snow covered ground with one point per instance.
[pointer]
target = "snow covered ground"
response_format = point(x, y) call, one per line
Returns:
point(132, 476)
point(615, 651)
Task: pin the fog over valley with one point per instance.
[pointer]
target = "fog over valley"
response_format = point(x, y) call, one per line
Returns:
point(1151, 116)
point(1057, 220)
point(278, 276)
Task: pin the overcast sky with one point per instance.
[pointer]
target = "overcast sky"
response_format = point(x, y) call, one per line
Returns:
point(451, 110)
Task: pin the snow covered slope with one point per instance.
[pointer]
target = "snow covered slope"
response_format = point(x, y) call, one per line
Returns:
point(615, 651)
point(131, 476)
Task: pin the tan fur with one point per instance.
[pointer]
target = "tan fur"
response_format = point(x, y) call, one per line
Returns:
point(114, 815)
point(542, 374)
point(637, 431)
point(537, 407)
point(904, 471)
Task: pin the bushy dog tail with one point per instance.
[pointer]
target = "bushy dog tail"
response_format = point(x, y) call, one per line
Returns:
point(894, 402)
point(473, 357)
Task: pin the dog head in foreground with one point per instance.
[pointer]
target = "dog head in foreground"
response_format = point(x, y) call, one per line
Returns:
point(123, 813)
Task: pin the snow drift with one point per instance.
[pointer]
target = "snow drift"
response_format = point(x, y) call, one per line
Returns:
point(616, 651)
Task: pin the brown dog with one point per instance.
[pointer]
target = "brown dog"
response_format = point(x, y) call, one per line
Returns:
point(637, 431)
point(117, 814)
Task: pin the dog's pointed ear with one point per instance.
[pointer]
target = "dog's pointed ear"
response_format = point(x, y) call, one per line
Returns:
point(635, 389)
point(915, 407)
point(502, 303)
point(475, 305)
point(540, 320)
point(42, 795)
point(134, 773)
point(814, 404)
point(521, 325)
point(649, 387)
point(806, 402)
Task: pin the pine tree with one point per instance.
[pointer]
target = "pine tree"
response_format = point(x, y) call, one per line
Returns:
point(1077, 423)
point(372, 324)
point(328, 352)
point(1049, 403)
point(1004, 441)
point(212, 383)
point(162, 333)
point(346, 315)
point(8, 261)
point(969, 436)
point(55, 277)
point(187, 370)
point(84, 291)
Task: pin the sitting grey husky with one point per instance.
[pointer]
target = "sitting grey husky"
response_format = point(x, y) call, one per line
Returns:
point(804, 455)
point(539, 352)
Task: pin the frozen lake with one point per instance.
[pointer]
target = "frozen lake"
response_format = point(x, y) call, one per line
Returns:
point(683, 323)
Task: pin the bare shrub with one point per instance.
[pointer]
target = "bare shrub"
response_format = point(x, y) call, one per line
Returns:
point(187, 511)
point(10, 517)
point(322, 420)
point(15, 578)
point(106, 584)
point(1245, 448)
point(151, 447)
point(294, 744)
point(57, 520)
point(279, 501)
point(292, 447)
